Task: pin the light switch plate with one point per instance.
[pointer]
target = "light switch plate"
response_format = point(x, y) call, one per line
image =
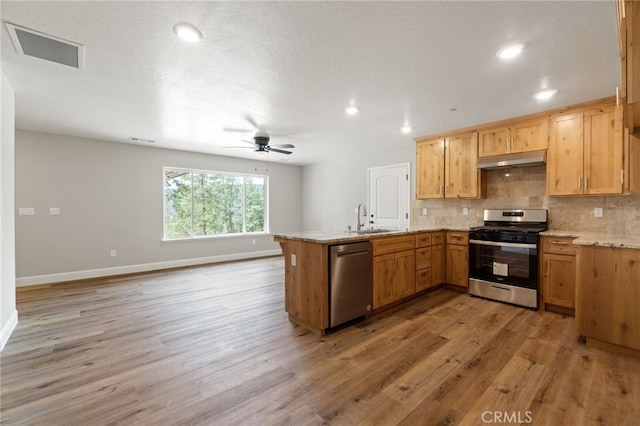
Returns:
point(465, 211)
point(54, 211)
point(26, 211)
point(597, 212)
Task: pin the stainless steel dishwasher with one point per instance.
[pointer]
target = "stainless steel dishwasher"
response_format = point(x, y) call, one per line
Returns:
point(351, 281)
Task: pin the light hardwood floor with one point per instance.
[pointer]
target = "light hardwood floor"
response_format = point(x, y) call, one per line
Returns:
point(212, 345)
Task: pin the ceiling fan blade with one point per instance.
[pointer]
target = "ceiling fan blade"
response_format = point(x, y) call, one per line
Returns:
point(240, 147)
point(251, 142)
point(252, 122)
point(281, 151)
point(285, 145)
point(232, 130)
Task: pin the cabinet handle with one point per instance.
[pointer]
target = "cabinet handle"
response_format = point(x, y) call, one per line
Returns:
point(560, 243)
point(617, 96)
point(580, 182)
point(621, 175)
point(546, 268)
point(586, 182)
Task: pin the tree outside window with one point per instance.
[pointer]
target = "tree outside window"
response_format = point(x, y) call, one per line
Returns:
point(199, 203)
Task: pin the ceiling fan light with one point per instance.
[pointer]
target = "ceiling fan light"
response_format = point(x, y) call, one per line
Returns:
point(406, 129)
point(187, 32)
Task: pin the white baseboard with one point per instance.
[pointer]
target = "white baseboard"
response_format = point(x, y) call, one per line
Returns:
point(130, 269)
point(8, 328)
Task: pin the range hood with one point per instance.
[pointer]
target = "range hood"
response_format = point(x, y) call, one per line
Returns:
point(520, 159)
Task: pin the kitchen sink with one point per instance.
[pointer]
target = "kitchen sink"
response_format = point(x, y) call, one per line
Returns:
point(373, 231)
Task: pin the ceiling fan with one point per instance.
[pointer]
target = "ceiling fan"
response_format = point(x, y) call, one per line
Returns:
point(261, 144)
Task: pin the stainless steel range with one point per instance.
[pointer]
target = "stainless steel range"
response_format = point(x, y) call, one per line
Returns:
point(503, 256)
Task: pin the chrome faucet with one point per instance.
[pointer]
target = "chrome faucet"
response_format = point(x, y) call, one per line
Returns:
point(362, 208)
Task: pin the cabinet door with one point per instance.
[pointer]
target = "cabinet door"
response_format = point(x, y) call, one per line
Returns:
point(461, 158)
point(430, 169)
point(457, 265)
point(404, 282)
point(608, 294)
point(565, 155)
point(393, 277)
point(530, 136)
point(493, 142)
point(384, 268)
point(558, 279)
point(603, 151)
point(437, 264)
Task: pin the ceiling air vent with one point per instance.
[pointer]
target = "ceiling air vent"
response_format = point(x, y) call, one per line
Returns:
point(43, 46)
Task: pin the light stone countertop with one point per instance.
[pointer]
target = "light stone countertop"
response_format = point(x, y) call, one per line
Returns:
point(600, 239)
point(330, 237)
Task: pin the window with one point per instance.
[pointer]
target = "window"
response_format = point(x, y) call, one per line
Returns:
point(200, 203)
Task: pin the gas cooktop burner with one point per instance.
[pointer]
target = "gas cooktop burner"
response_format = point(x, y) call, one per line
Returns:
point(526, 228)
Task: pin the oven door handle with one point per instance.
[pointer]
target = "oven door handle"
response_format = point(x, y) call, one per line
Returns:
point(502, 244)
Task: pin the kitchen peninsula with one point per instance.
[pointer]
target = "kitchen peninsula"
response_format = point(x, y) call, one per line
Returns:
point(411, 262)
point(405, 263)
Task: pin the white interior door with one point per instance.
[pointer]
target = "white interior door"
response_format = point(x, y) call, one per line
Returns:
point(389, 202)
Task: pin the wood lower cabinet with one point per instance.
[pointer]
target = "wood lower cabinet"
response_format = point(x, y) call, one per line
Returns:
point(558, 271)
point(429, 260)
point(608, 291)
point(393, 269)
point(457, 258)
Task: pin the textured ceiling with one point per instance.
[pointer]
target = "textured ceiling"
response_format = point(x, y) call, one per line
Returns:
point(292, 68)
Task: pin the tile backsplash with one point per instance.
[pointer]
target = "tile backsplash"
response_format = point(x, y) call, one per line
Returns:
point(525, 188)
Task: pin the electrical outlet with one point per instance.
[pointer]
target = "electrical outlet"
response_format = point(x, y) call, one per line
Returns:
point(113, 253)
point(424, 211)
point(253, 241)
point(54, 211)
point(293, 260)
point(597, 212)
point(465, 211)
point(26, 211)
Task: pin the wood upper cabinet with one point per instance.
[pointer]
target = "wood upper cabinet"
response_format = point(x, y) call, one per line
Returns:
point(629, 32)
point(446, 167)
point(585, 153)
point(462, 177)
point(457, 258)
point(430, 168)
point(558, 271)
point(517, 137)
point(393, 269)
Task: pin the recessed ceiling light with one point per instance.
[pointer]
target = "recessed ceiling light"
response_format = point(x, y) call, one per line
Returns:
point(352, 110)
point(510, 52)
point(406, 128)
point(545, 94)
point(187, 32)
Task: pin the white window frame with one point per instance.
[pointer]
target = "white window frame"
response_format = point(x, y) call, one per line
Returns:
point(216, 172)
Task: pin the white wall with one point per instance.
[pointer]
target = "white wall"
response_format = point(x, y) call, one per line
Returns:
point(8, 313)
point(333, 189)
point(110, 197)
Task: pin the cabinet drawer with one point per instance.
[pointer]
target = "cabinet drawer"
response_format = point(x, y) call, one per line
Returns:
point(437, 238)
point(456, 237)
point(423, 257)
point(423, 240)
point(558, 245)
point(423, 279)
point(392, 244)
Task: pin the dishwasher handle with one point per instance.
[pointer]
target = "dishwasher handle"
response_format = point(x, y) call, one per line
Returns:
point(350, 249)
